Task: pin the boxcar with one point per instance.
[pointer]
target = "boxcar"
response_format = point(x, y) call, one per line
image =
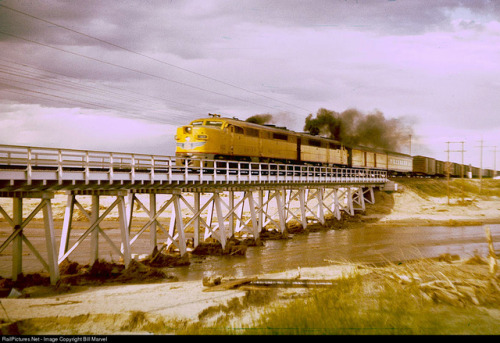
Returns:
point(424, 165)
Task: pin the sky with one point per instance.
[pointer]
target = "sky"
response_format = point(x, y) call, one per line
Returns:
point(123, 75)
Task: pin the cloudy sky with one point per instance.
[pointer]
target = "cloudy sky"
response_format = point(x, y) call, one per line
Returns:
point(122, 75)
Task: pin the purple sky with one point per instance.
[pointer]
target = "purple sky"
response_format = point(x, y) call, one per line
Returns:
point(122, 75)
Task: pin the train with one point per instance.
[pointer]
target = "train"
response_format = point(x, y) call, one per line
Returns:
point(427, 166)
point(216, 138)
point(219, 138)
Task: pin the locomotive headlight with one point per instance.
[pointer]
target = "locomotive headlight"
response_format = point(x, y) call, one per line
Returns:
point(187, 129)
point(202, 136)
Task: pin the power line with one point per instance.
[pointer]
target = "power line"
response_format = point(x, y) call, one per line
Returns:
point(135, 95)
point(108, 105)
point(131, 106)
point(149, 57)
point(130, 69)
point(43, 95)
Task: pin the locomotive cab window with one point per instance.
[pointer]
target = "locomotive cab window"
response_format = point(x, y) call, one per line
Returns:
point(238, 130)
point(215, 123)
point(197, 123)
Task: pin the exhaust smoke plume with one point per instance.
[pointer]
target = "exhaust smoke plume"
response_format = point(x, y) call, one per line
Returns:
point(260, 119)
point(352, 127)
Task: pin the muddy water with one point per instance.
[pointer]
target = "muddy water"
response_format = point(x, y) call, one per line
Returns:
point(363, 244)
point(376, 244)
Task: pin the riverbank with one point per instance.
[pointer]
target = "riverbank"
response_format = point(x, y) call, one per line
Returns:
point(446, 295)
point(428, 202)
point(163, 306)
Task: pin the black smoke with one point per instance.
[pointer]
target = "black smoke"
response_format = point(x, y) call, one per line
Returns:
point(260, 119)
point(354, 128)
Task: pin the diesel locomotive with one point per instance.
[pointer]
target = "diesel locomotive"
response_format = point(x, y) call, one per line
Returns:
point(230, 139)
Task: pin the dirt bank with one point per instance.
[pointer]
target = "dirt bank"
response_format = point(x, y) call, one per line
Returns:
point(425, 202)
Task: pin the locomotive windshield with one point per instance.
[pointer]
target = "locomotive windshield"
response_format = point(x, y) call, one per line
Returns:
point(216, 123)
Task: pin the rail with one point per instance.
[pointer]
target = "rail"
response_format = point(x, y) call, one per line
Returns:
point(25, 165)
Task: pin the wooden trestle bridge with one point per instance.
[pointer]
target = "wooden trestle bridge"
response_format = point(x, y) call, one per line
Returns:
point(199, 202)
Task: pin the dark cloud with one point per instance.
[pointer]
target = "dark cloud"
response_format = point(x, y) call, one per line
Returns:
point(401, 56)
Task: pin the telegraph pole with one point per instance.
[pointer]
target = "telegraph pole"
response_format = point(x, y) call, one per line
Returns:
point(494, 158)
point(448, 172)
point(494, 161)
point(449, 166)
point(481, 168)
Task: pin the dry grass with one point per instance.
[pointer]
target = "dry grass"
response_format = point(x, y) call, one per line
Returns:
point(418, 298)
point(457, 187)
point(422, 297)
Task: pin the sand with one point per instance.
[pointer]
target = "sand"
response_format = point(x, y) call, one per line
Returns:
point(406, 207)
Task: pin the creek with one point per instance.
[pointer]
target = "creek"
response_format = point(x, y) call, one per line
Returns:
point(363, 244)
point(370, 244)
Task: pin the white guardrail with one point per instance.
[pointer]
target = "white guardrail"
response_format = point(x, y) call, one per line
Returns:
point(29, 164)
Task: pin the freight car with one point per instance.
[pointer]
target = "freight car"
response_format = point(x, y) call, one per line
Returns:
point(217, 138)
point(394, 162)
point(424, 166)
point(440, 168)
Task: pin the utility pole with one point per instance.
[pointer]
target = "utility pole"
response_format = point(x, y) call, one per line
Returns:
point(494, 160)
point(481, 168)
point(494, 157)
point(481, 162)
point(449, 167)
point(448, 172)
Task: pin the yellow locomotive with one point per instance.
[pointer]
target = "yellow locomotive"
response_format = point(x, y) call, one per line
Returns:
point(217, 138)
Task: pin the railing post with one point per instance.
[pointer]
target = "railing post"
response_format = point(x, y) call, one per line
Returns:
point(169, 170)
point(132, 170)
point(202, 163)
point(87, 168)
point(29, 168)
point(152, 172)
point(111, 168)
point(59, 167)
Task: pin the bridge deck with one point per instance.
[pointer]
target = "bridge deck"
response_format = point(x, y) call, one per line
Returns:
point(32, 168)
